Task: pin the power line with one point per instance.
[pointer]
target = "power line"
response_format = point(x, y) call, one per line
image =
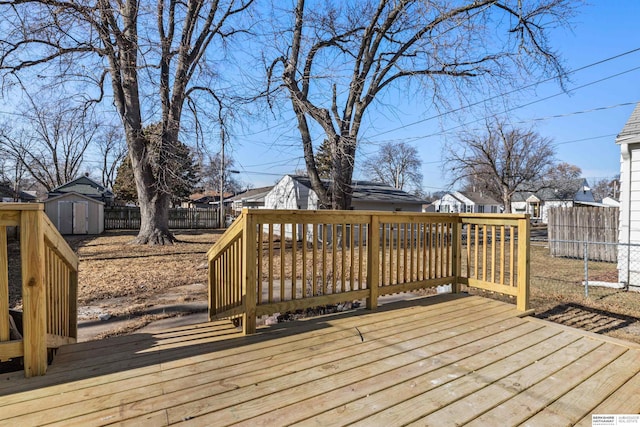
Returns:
point(415, 138)
point(513, 91)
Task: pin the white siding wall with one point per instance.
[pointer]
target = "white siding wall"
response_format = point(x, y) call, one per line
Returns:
point(448, 203)
point(629, 258)
point(282, 195)
point(518, 207)
point(553, 204)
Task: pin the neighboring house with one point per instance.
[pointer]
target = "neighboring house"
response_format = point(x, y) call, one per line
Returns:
point(466, 202)
point(429, 207)
point(75, 213)
point(253, 198)
point(207, 200)
point(8, 195)
point(294, 192)
point(629, 229)
point(574, 192)
point(85, 186)
point(611, 202)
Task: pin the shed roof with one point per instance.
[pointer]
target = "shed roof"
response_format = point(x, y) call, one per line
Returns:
point(71, 194)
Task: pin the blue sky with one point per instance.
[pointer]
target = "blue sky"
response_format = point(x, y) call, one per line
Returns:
point(582, 123)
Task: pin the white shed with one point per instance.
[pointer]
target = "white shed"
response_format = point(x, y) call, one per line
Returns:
point(629, 229)
point(74, 213)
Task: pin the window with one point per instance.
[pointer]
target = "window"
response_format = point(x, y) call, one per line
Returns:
point(480, 209)
point(535, 210)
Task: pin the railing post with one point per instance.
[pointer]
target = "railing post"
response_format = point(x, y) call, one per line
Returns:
point(522, 302)
point(456, 251)
point(249, 272)
point(73, 302)
point(211, 287)
point(34, 293)
point(4, 286)
point(373, 261)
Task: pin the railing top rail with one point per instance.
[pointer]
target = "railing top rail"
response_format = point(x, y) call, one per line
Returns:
point(58, 244)
point(494, 215)
point(359, 217)
point(349, 217)
point(10, 215)
point(21, 207)
point(228, 237)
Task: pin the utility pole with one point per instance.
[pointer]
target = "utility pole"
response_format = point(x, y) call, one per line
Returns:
point(221, 195)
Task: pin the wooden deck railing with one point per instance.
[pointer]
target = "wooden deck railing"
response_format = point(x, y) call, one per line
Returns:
point(272, 261)
point(49, 276)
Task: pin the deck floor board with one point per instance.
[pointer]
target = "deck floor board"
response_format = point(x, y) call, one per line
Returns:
point(441, 360)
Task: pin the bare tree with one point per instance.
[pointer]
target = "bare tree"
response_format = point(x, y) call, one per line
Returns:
point(210, 178)
point(51, 144)
point(113, 150)
point(338, 57)
point(606, 187)
point(563, 171)
point(150, 59)
point(501, 160)
point(397, 165)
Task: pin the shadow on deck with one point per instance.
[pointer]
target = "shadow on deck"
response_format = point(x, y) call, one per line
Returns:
point(442, 360)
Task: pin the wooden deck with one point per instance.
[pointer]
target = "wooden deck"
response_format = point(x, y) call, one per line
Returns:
point(441, 360)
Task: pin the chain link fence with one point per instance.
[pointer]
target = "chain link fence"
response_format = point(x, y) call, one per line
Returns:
point(590, 285)
point(604, 264)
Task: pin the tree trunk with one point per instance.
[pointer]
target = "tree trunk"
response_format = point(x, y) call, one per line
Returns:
point(152, 197)
point(506, 200)
point(154, 213)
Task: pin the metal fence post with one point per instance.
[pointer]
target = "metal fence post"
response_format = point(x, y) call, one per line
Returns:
point(586, 269)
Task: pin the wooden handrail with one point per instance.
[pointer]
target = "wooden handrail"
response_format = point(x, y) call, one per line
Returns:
point(49, 287)
point(292, 260)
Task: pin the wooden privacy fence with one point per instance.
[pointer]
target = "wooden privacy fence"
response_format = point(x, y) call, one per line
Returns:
point(272, 261)
point(569, 228)
point(128, 218)
point(49, 276)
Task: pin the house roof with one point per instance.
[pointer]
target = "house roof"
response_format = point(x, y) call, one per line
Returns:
point(207, 196)
point(479, 198)
point(252, 193)
point(83, 185)
point(559, 190)
point(7, 191)
point(632, 127)
point(370, 191)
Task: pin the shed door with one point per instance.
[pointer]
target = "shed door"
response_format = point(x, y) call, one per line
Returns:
point(73, 217)
point(80, 218)
point(65, 217)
